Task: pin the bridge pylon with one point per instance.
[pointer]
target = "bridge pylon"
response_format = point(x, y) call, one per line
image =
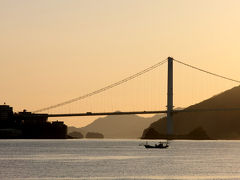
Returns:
point(170, 97)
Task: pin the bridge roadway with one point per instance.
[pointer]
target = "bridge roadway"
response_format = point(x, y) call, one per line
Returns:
point(29, 115)
point(106, 113)
point(139, 112)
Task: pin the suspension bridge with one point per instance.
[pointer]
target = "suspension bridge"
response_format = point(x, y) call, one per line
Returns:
point(170, 108)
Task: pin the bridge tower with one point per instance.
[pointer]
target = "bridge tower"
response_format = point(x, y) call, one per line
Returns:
point(170, 97)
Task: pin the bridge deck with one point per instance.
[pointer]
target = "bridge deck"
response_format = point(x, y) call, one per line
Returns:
point(139, 112)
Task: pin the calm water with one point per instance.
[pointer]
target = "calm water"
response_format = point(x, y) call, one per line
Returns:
point(117, 159)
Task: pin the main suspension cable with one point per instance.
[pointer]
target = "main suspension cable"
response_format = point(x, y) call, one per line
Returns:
point(217, 75)
point(104, 88)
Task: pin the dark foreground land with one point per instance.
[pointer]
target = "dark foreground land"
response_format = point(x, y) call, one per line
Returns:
point(26, 125)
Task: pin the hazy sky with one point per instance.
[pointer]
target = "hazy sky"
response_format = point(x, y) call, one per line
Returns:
point(55, 50)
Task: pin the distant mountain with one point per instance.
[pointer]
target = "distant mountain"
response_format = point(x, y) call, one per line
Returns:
point(124, 126)
point(76, 135)
point(216, 124)
point(94, 135)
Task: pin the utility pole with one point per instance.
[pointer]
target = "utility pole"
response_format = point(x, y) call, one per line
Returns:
point(170, 97)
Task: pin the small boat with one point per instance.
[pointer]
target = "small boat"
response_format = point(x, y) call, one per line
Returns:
point(160, 145)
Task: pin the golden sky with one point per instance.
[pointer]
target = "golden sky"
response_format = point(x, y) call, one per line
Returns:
point(55, 50)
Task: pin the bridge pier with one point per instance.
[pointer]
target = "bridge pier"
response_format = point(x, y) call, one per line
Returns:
point(170, 97)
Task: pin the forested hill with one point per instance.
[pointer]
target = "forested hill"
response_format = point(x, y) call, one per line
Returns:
point(217, 124)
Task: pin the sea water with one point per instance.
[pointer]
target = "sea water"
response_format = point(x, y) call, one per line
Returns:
point(118, 159)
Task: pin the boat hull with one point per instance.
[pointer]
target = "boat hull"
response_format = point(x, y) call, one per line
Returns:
point(156, 147)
